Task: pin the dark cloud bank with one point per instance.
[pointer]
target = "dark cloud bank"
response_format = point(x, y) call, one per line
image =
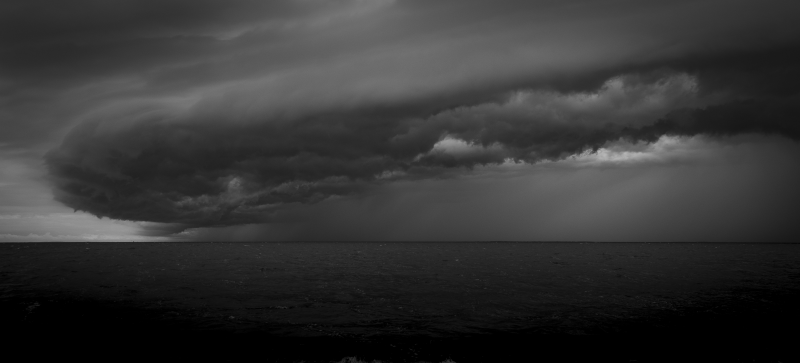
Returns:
point(235, 156)
point(174, 169)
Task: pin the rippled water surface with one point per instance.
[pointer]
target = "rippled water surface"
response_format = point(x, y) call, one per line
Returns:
point(435, 290)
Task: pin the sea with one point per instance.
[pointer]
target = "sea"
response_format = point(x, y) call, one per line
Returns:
point(403, 301)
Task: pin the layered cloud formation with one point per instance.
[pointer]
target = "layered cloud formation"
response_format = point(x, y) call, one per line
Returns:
point(172, 167)
point(206, 113)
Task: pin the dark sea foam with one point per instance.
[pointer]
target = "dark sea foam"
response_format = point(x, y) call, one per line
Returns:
point(407, 301)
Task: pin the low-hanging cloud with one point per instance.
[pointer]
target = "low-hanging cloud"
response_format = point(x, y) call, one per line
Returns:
point(169, 164)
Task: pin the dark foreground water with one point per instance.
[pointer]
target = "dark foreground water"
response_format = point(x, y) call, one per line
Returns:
point(403, 302)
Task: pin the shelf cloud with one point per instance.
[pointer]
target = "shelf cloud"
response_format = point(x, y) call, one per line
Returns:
point(209, 114)
point(166, 167)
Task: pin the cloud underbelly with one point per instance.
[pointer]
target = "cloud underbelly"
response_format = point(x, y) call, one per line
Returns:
point(169, 167)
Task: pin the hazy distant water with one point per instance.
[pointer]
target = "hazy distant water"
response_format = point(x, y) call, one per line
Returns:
point(371, 290)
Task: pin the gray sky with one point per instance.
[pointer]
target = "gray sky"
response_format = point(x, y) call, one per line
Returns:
point(399, 120)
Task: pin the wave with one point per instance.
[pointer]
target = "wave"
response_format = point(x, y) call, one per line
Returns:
point(356, 360)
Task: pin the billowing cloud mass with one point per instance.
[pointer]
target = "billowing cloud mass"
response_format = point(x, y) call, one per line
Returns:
point(173, 169)
point(209, 114)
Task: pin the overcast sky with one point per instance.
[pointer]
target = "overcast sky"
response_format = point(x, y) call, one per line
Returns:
point(604, 120)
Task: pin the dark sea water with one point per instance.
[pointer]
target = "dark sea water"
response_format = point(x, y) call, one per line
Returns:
point(406, 302)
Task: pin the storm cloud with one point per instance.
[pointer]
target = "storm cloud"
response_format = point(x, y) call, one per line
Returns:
point(222, 113)
point(169, 168)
